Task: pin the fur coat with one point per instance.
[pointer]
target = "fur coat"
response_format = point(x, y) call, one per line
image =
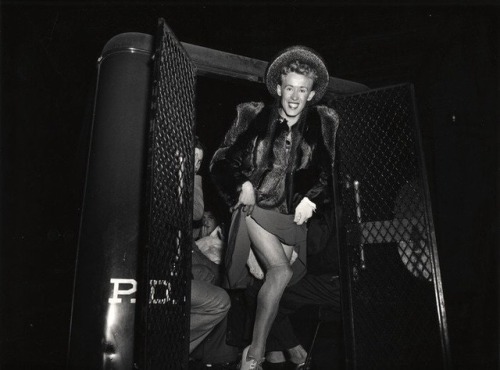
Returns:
point(247, 153)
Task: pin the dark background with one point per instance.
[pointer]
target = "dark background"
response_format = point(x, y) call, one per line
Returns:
point(49, 53)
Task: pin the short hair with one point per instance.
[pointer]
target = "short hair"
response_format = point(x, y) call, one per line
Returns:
point(300, 68)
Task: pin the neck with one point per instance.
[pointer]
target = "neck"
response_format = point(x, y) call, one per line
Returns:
point(290, 120)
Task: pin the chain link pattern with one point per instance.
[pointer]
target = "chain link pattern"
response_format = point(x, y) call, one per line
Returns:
point(171, 171)
point(381, 192)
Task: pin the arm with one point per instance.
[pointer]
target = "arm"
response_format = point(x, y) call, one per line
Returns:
point(320, 191)
point(230, 166)
point(325, 155)
point(314, 183)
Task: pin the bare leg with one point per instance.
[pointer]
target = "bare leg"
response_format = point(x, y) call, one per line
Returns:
point(278, 273)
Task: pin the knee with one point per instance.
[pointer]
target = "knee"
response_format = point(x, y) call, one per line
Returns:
point(203, 273)
point(281, 274)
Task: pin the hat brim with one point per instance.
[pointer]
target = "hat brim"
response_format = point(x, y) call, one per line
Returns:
point(304, 55)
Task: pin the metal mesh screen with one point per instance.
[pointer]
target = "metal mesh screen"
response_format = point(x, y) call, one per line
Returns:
point(393, 297)
point(171, 171)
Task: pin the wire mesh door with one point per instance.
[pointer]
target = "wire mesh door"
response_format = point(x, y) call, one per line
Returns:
point(167, 258)
point(394, 316)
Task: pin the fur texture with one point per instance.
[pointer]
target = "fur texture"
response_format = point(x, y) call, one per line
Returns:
point(247, 152)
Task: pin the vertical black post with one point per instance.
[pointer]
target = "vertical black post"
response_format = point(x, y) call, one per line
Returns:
point(436, 270)
point(104, 302)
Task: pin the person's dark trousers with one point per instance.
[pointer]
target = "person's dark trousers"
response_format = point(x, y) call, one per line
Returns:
point(214, 349)
point(310, 290)
point(209, 306)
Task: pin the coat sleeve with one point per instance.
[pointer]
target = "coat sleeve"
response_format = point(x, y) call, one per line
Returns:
point(320, 192)
point(230, 166)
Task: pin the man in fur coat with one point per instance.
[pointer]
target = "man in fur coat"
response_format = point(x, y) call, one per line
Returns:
point(273, 170)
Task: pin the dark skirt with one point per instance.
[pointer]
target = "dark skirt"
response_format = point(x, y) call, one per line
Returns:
point(281, 225)
point(238, 246)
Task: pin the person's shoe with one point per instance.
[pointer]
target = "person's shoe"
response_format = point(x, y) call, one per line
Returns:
point(250, 363)
point(303, 366)
point(298, 357)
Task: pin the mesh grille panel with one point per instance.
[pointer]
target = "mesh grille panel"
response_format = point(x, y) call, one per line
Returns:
point(167, 269)
point(388, 253)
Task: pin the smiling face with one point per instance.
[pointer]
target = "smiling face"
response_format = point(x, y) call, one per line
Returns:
point(295, 91)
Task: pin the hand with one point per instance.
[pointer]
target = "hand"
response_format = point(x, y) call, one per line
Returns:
point(246, 199)
point(211, 246)
point(304, 211)
point(294, 256)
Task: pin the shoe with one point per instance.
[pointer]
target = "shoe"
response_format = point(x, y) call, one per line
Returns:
point(250, 363)
point(303, 366)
